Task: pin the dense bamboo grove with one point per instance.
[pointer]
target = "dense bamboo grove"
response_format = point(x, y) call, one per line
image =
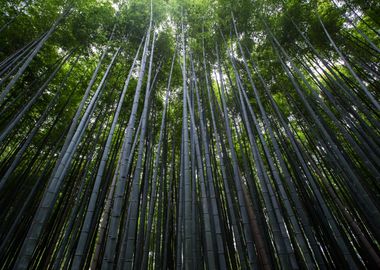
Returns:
point(189, 134)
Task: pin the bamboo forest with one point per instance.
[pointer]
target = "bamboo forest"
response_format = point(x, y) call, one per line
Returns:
point(189, 134)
